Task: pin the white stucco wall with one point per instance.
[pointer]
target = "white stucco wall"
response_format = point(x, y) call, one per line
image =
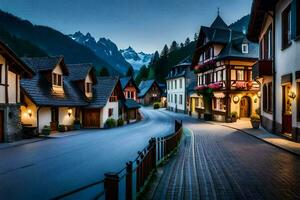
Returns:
point(178, 91)
point(104, 112)
point(44, 117)
point(11, 84)
point(25, 117)
point(64, 118)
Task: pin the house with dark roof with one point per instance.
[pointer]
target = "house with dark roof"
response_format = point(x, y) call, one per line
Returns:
point(150, 92)
point(57, 92)
point(12, 70)
point(130, 90)
point(179, 80)
point(223, 62)
point(107, 103)
point(274, 24)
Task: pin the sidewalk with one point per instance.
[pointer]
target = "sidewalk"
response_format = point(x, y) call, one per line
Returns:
point(244, 125)
point(19, 143)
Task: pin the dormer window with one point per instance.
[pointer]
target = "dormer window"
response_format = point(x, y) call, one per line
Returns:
point(245, 48)
point(57, 79)
point(88, 87)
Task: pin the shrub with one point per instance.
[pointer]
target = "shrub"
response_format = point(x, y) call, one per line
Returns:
point(255, 117)
point(77, 121)
point(110, 123)
point(234, 114)
point(46, 130)
point(61, 128)
point(120, 122)
point(156, 105)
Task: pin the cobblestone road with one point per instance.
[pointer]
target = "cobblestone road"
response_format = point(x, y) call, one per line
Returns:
point(217, 162)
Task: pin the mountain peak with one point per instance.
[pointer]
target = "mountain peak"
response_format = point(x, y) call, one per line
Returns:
point(137, 60)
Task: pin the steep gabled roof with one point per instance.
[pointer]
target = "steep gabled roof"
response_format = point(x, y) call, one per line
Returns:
point(145, 87)
point(259, 10)
point(22, 68)
point(79, 72)
point(126, 80)
point(219, 23)
point(46, 63)
point(103, 90)
point(40, 92)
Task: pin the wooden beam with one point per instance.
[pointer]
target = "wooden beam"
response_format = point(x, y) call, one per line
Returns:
point(6, 82)
point(17, 88)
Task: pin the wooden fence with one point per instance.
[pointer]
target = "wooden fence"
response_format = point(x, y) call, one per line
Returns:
point(130, 181)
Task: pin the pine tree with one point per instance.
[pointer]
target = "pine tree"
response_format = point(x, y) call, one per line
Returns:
point(181, 45)
point(174, 46)
point(187, 41)
point(103, 72)
point(196, 37)
point(130, 72)
point(142, 75)
point(154, 58)
point(151, 74)
point(165, 51)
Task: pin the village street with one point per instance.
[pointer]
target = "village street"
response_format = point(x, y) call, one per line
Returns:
point(214, 162)
point(48, 168)
point(217, 162)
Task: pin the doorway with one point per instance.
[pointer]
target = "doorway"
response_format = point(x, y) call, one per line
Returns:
point(1, 126)
point(245, 107)
point(54, 119)
point(286, 111)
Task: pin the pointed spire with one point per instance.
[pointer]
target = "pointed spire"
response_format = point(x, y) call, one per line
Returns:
point(219, 22)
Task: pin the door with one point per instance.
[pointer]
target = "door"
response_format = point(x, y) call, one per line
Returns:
point(286, 111)
point(91, 118)
point(54, 119)
point(245, 107)
point(1, 126)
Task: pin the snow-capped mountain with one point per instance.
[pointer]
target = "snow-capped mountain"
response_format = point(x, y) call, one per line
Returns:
point(137, 60)
point(104, 49)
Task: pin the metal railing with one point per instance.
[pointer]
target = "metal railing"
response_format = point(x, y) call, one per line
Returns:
point(130, 181)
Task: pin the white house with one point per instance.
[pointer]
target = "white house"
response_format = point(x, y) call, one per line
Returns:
point(179, 80)
point(12, 69)
point(276, 26)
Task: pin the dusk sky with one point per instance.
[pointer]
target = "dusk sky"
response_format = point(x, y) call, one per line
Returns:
point(146, 25)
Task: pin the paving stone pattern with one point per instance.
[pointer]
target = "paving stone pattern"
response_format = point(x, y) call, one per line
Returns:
point(217, 162)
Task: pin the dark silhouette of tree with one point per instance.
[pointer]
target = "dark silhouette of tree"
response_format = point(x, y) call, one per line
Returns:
point(187, 42)
point(174, 46)
point(103, 72)
point(165, 51)
point(130, 72)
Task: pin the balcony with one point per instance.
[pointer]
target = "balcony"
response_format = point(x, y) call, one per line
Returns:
point(262, 68)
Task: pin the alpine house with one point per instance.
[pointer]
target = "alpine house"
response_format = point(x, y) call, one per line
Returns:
point(223, 62)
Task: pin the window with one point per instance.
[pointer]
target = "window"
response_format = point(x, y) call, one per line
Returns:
point(1, 73)
point(180, 83)
point(175, 98)
point(57, 79)
point(207, 54)
point(172, 85)
point(267, 97)
point(244, 48)
point(113, 97)
point(297, 14)
point(180, 99)
point(219, 76)
point(88, 87)
point(286, 27)
point(128, 94)
point(110, 112)
point(132, 94)
point(175, 84)
point(233, 74)
point(240, 75)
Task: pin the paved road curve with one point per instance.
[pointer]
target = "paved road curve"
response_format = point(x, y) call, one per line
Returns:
point(48, 168)
point(217, 162)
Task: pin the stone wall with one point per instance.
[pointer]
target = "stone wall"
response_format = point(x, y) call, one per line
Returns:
point(12, 122)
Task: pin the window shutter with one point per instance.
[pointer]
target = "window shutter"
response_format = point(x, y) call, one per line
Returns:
point(294, 18)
